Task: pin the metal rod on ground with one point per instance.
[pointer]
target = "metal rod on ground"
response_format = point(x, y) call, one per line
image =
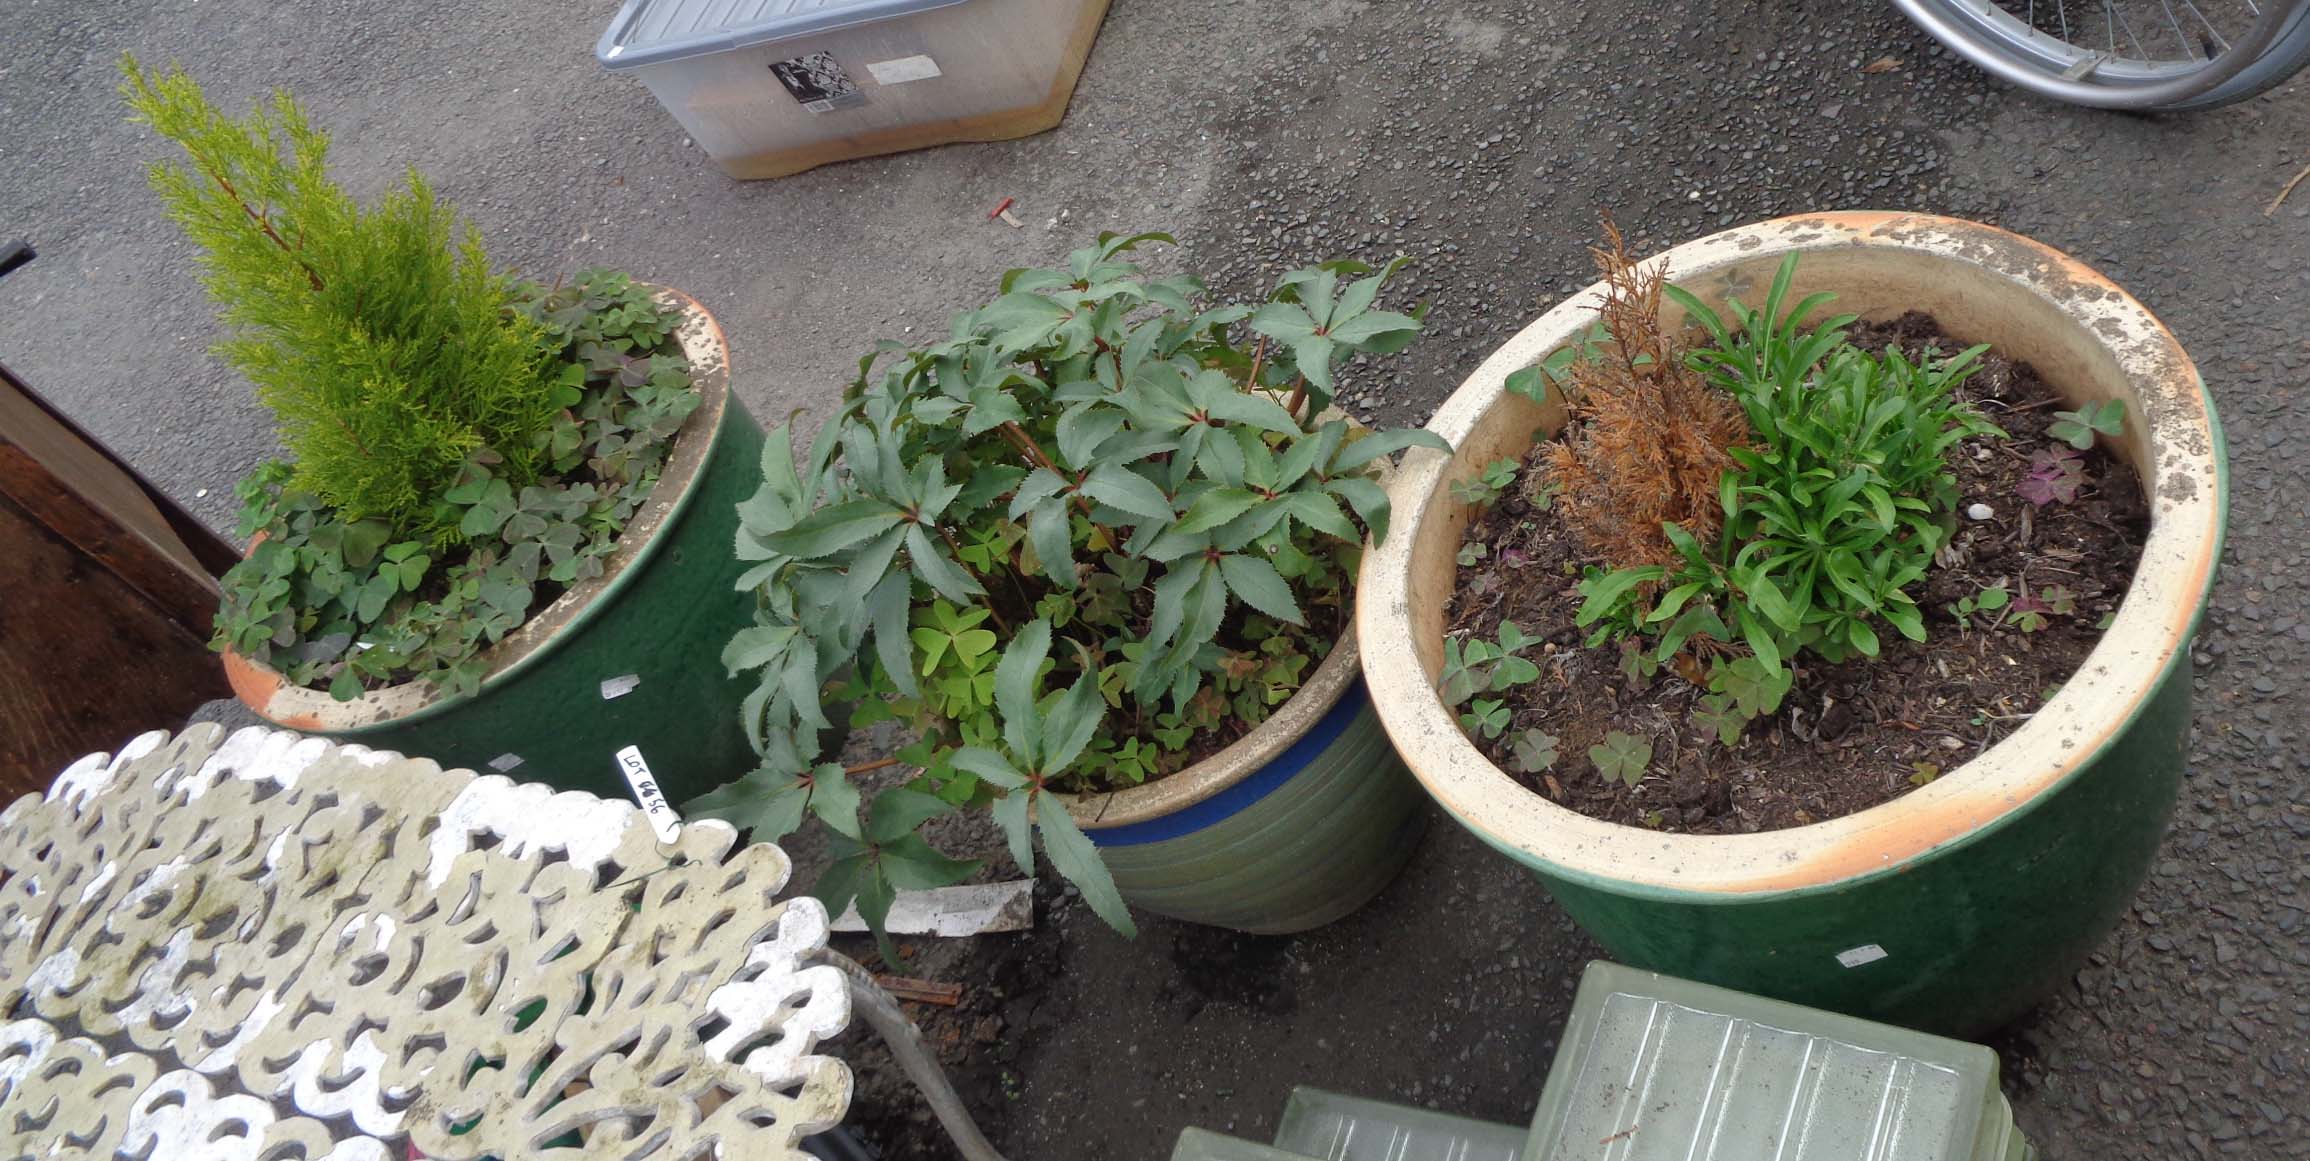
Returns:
point(882, 1014)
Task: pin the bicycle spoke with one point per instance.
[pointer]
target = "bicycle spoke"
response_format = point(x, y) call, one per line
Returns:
point(2118, 20)
point(2181, 34)
point(2212, 31)
point(2147, 54)
point(2144, 33)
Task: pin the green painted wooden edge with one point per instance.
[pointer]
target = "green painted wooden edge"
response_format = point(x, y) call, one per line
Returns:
point(664, 618)
point(1974, 931)
point(1310, 852)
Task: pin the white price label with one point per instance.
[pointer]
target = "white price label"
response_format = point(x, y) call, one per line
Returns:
point(1854, 957)
point(653, 801)
point(902, 70)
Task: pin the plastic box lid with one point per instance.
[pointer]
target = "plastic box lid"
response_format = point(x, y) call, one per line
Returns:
point(656, 31)
point(1202, 1145)
point(1331, 1127)
point(1654, 1068)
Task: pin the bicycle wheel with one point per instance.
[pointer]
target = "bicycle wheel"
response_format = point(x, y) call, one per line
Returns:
point(2167, 55)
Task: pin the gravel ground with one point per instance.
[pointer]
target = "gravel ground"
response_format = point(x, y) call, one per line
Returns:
point(1481, 138)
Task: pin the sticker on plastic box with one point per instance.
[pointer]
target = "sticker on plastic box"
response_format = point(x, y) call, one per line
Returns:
point(902, 70)
point(818, 82)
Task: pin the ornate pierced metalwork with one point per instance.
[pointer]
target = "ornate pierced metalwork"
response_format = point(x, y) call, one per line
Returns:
point(267, 946)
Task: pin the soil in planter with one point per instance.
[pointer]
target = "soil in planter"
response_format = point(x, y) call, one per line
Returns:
point(1848, 736)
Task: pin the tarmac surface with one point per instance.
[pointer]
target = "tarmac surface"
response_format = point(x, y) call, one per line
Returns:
point(1482, 138)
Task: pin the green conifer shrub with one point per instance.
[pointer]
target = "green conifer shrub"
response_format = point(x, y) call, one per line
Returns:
point(385, 347)
point(466, 449)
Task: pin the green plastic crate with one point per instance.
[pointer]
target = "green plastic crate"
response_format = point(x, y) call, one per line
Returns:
point(1653, 1068)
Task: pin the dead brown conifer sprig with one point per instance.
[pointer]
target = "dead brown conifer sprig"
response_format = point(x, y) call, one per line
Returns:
point(1648, 438)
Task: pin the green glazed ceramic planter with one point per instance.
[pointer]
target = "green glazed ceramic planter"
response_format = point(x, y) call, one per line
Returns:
point(1298, 823)
point(1953, 907)
point(630, 658)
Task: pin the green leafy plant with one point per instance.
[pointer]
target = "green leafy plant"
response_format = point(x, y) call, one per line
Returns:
point(1097, 483)
point(464, 449)
point(2078, 428)
point(1719, 713)
point(1554, 373)
point(1535, 751)
point(1486, 717)
point(1983, 608)
point(1741, 690)
point(1828, 518)
point(1488, 485)
point(1637, 664)
point(2060, 600)
point(1995, 605)
point(2027, 613)
point(1622, 758)
point(1475, 666)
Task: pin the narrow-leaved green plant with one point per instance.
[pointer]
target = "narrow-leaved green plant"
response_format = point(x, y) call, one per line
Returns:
point(1831, 514)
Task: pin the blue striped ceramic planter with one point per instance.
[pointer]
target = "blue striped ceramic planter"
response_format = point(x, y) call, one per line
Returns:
point(1297, 824)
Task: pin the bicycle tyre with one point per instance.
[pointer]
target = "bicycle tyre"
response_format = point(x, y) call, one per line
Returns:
point(1986, 35)
point(2274, 67)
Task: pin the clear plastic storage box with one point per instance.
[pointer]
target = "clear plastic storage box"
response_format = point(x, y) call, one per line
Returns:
point(1653, 1068)
point(774, 87)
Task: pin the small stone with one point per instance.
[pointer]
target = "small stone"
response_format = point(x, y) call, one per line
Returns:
point(1979, 512)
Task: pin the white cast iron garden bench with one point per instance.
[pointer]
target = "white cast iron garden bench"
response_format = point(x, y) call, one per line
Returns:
point(266, 947)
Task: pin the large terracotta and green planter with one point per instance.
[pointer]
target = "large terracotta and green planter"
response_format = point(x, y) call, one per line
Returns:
point(628, 658)
point(1956, 906)
point(1296, 824)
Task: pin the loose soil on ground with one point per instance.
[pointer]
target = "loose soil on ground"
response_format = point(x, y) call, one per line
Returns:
point(1851, 735)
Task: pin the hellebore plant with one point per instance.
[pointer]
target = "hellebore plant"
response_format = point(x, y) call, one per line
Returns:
point(1098, 532)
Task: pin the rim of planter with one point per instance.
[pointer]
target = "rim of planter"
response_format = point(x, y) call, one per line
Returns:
point(2040, 306)
point(1241, 759)
point(264, 690)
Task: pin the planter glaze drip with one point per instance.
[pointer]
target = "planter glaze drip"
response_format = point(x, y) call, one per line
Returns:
point(631, 657)
point(1958, 905)
point(1297, 824)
